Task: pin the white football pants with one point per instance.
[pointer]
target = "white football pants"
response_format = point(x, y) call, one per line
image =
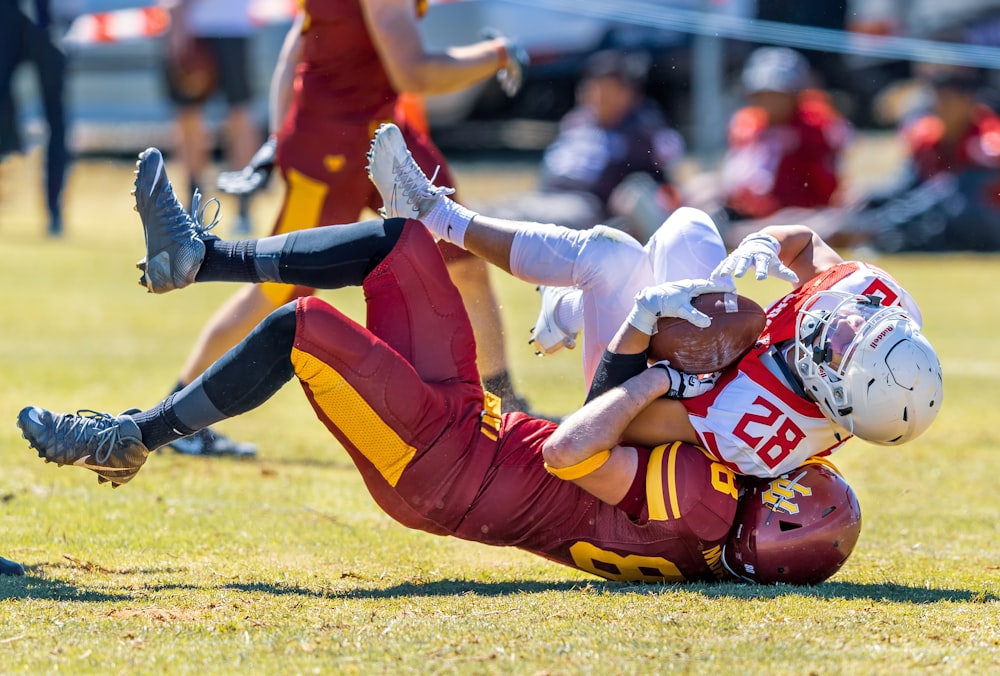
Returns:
point(609, 267)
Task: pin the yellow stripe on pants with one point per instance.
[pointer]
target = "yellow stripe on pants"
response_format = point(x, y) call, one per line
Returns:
point(352, 415)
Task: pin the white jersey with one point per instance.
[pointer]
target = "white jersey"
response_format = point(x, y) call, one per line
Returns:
point(752, 420)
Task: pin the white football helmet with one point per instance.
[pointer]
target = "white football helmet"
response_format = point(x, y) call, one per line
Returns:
point(868, 366)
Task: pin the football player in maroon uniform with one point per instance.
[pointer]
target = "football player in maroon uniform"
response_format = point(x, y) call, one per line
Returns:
point(403, 397)
point(338, 78)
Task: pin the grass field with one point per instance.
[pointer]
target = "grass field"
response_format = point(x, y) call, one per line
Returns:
point(283, 564)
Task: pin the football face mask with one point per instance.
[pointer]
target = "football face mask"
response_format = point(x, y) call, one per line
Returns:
point(868, 366)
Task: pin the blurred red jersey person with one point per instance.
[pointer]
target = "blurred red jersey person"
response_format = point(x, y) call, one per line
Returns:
point(338, 77)
point(785, 145)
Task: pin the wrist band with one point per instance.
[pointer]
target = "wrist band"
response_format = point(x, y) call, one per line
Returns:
point(580, 469)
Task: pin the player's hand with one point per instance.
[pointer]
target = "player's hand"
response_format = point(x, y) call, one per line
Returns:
point(686, 385)
point(673, 299)
point(252, 177)
point(759, 251)
point(511, 76)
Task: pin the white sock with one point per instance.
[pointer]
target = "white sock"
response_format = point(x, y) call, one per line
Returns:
point(448, 220)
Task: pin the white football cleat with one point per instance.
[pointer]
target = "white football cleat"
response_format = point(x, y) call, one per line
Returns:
point(405, 189)
point(546, 335)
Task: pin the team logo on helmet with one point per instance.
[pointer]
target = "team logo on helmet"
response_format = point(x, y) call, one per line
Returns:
point(781, 494)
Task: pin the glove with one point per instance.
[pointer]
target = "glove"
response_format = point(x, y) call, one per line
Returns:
point(761, 252)
point(686, 385)
point(511, 76)
point(252, 177)
point(673, 299)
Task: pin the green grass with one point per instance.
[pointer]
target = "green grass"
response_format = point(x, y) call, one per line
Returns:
point(284, 564)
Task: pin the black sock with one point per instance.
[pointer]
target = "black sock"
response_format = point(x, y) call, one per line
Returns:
point(160, 425)
point(228, 262)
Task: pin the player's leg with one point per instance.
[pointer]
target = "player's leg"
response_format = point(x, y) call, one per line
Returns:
point(50, 63)
point(338, 198)
point(116, 447)
point(240, 131)
point(378, 403)
point(610, 265)
point(687, 246)
point(471, 275)
point(407, 423)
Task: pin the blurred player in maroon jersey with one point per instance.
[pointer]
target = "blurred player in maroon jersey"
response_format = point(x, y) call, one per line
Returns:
point(339, 75)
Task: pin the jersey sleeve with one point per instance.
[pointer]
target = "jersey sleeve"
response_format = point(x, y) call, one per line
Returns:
point(687, 486)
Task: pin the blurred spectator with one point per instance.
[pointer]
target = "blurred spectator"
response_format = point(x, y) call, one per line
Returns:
point(610, 161)
point(27, 39)
point(948, 197)
point(784, 151)
point(207, 51)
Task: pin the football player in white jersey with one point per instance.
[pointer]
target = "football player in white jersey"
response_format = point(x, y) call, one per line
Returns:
point(842, 354)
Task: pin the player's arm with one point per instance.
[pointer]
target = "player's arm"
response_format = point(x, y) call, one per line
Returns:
point(393, 27)
point(663, 419)
point(802, 250)
point(585, 448)
point(283, 78)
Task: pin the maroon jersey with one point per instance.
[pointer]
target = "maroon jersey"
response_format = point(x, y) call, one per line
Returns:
point(689, 506)
point(403, 397)
point(340, 73)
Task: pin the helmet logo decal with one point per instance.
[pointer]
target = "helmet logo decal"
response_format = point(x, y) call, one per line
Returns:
point(781, 494)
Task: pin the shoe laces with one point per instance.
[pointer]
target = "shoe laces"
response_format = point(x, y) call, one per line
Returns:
point(181, 225)
point(79, 430)
point(416, 186)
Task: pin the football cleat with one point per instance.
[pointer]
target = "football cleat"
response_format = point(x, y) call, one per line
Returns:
point(109, 445)
point(8, 567)
point(207, 442)
point(175, 246)
point(546, 335)
point(405, 189)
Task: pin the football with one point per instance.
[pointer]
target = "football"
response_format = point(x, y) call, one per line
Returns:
point(736, 324)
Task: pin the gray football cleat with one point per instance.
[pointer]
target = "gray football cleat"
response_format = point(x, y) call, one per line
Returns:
point(405, 189)
point(209, 443)
point(175, 246)
point(8, 567)
point(109, 445)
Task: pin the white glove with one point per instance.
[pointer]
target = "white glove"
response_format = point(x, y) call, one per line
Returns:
point(511, 76)
point(686, 385)
point(673, 299)
point(761, 252)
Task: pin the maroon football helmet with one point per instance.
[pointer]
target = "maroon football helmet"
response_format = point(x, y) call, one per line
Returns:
point(798, 528)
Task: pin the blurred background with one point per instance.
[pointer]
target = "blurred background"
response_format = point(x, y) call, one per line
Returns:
point(115, 101)
point(910, 83)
